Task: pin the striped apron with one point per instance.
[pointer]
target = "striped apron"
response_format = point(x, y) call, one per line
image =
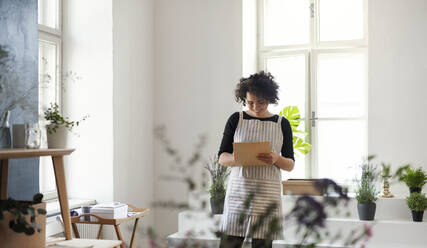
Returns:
point(263, 183)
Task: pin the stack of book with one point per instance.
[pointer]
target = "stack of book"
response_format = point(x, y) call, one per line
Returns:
point(110, 210)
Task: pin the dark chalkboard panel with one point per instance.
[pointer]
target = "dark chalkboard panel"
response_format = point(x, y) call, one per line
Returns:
point(18, 34)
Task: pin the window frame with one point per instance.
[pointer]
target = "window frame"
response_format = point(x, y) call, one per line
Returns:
point(312, 49)
point(53, 36)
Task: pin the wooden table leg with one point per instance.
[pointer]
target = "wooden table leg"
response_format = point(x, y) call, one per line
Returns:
point(119, 235)
point(99, 232)
point(133, 233)
point(58, 167)
point(4, 175)
point(76, 231)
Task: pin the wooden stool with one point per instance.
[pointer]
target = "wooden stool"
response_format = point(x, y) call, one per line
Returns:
point(115, 222)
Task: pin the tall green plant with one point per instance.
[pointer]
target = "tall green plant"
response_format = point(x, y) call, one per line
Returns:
point(291, 113)
point(367, 189)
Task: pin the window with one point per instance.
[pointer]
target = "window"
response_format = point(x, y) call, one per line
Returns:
point(317, 51)
point(50, 38)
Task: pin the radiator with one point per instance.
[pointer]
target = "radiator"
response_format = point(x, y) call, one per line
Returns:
point(88, 231)
point(55, 228)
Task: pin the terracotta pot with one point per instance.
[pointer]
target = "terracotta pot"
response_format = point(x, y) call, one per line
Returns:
point(11, 239)
point(366, 211)
point(57, 139)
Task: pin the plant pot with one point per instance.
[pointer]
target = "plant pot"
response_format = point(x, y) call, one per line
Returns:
point(366, 210)
point(217, 205)
point(412, 190)
point(57, 139)
point(11, 239)
point(417, 216)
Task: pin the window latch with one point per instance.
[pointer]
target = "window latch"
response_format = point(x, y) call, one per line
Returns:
point(312, 10)
point(313, 118)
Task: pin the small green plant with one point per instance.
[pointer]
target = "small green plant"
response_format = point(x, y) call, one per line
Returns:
point(386, 170)
point(53, 115)
point(291, 113)
point(413, 178)
point(367, 190)
point(218, 174)
point(417, 202)
point(21, 209)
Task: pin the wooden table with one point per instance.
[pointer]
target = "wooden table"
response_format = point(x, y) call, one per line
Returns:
point(58, 167)
point(116, 222)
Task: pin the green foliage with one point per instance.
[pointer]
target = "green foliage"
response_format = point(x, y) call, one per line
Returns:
point(53, 115)
point(417, 202)
point(218, 174)
point(367, 189)
point(386, 170)
point(21, 209)
point(414, 178)
point(291, 113)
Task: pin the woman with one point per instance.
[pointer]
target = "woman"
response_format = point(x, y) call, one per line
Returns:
point(259, 184)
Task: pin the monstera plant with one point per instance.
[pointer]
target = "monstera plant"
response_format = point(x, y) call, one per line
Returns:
point(291, 113)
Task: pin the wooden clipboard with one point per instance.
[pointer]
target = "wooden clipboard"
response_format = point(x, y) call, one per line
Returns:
point(245, 153)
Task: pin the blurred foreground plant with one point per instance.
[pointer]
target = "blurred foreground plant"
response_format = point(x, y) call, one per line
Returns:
point(308, 213)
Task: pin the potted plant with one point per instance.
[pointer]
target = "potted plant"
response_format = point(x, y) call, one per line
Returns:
point(22, 223)
point(58, 126)
point(386, 175)
point(366, 191)
point(217, 189)
point(417, 202)
point(413, 178)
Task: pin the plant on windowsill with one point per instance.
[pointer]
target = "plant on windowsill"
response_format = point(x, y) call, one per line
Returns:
point(417, 203)
point(217, 189)
point(413, 178)
point(58, 126)
point(385, 176)
point(19, 221)
point(366, 191)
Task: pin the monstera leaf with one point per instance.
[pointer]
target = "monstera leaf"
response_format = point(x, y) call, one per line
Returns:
point(291, 113)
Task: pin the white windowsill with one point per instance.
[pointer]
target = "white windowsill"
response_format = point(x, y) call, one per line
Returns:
point(53, 208)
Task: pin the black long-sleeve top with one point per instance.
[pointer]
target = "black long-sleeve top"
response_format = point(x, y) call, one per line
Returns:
point(231, 125)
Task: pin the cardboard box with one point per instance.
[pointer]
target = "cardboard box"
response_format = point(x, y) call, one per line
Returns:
point(300, 187)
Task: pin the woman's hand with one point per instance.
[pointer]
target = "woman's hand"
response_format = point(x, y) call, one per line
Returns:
point(227, 159)
point(269, 158)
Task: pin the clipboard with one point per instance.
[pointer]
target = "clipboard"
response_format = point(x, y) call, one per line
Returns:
point(245, 153)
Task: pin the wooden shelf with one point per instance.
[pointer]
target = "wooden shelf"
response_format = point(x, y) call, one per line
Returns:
point(28, 153)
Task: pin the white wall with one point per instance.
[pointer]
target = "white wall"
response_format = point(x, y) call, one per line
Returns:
point(198, 61)
point(133, 24)
point(397, 83)
point(88, 51)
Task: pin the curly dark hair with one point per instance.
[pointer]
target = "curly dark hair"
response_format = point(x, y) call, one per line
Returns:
point(261, 85)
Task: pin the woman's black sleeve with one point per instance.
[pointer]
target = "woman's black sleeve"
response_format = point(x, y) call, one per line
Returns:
point(228, 135)
point(288, 146)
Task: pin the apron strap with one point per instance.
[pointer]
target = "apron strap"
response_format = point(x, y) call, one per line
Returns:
point(279, 120)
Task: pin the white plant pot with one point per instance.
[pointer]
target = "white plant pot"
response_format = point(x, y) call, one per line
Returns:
point(57, 139)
